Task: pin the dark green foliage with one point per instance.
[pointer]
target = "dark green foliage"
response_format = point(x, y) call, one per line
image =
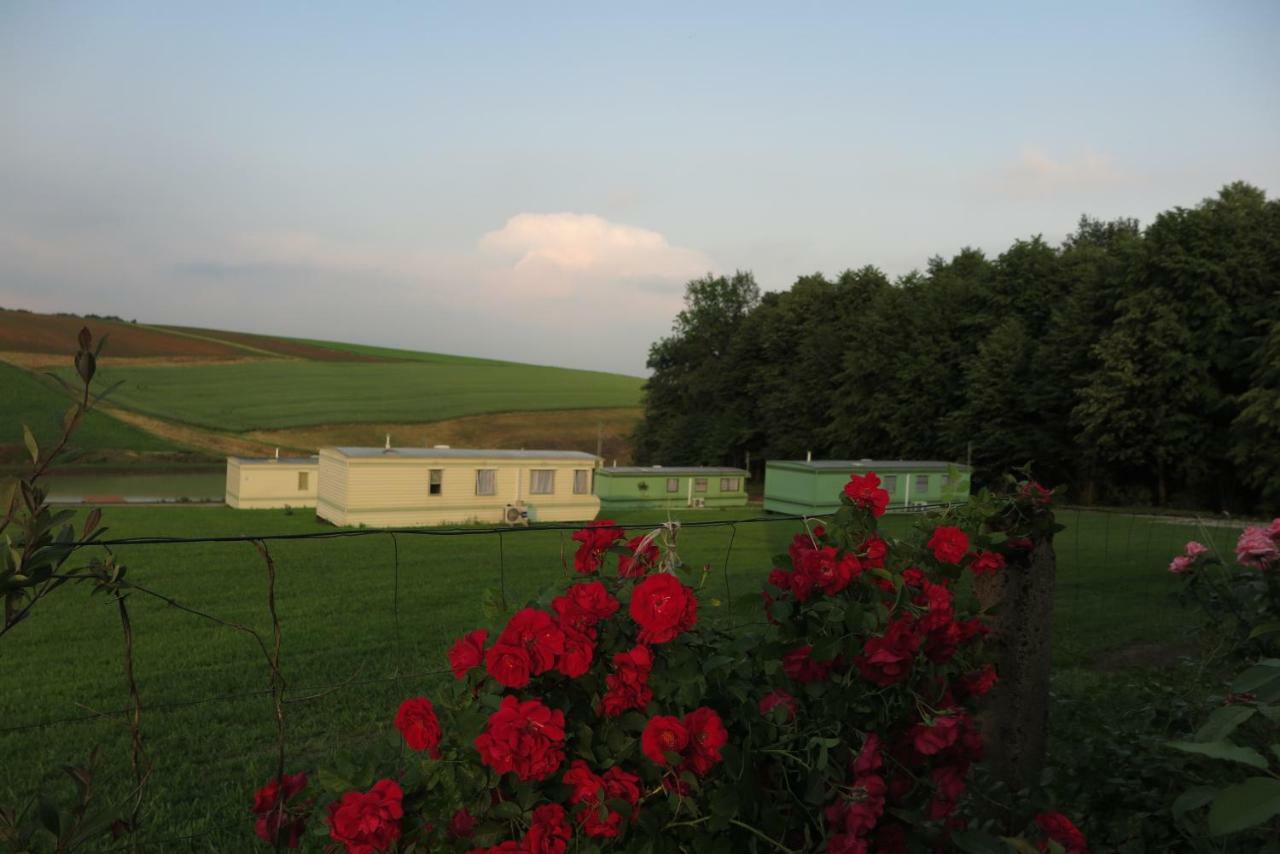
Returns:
point(1130, 364)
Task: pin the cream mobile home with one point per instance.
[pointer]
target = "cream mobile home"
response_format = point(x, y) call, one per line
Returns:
point(405, 487)
point(258, 483)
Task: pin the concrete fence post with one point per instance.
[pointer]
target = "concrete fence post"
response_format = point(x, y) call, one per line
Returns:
point(1015, 717)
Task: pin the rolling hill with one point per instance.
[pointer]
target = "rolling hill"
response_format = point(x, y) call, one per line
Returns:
point(218, 392)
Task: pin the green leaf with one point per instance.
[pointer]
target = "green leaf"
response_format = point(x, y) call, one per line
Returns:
point(1223, 750)
point(976, 842)
point(508, 810)
point(1192, 799)
point(1223, 722)
point(33, 447)
point(1244, 805)
point(1257, 676)
point(1265, 629)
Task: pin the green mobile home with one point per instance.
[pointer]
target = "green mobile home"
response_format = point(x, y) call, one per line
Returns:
point(650, 487)
point(812, 487)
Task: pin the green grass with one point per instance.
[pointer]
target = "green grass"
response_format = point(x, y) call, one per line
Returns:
point(39, 403)
point(336, 600)
point(276, 394)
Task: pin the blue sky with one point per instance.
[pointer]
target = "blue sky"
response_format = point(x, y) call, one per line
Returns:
point(537, 181)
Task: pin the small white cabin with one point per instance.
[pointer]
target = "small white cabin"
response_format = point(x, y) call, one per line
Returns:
point(259, 483)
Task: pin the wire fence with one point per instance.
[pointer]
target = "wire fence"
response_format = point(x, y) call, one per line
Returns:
point(365, 616)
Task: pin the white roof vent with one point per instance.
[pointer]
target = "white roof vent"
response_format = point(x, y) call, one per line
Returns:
point(441, 447)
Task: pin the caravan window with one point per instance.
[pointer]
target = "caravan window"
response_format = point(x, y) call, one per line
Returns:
point(304, 479)
point(542, 481)
point(922, 483)
point(890, 484)
point(700, 484)
point(486, 481)
point(673, 484)
point(581, 481)
point(435, 480)
point(728, 484)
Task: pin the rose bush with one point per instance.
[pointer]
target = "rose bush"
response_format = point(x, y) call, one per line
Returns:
point(611, 714)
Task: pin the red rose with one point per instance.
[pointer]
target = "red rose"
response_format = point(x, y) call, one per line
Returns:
point(467, 652)
point(943, 733)
point(846, 843)
point(368, 821)
point(986, 563)
point(828, 571)
point(858, 812)
point(593, 791)
point(640, 561)
point(979, 682)
point(948, 544)
point(775, 699)
point(417, 722)
point(706, 736)
point(1035, 494)
point(865, 492)
point(524, 737)
point(508, 664)
point(663, 608)
point(595, 539)
point(584, 605)
point(662, 735)
point(913, 577)
point(874, 550)
point(538, 634)
point(275, 822)
point(462, 825)
point(869, 758)
point(799, 665)
point(950, 782)
point(549, 832)
point(579, 649)
point(628, 685)
point(888, 659)
point(1059, 829)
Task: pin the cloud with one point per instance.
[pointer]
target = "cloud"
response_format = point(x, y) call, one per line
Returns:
point(560, 254)
point(1036, 172)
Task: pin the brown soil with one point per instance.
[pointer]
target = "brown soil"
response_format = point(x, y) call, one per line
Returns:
point(222, 444)
point(49, 361)
point(295, 349)
point(560, 430)
point(28, 332)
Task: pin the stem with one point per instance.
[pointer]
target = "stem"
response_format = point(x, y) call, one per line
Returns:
point(136, 757)
point(776, 844)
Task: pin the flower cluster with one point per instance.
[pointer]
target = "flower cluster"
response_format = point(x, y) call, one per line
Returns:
point(1259, 548)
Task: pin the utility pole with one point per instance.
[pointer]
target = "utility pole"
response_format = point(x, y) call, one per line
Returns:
point(599, 438)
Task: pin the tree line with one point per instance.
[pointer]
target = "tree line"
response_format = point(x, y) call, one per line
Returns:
point(1133, 365)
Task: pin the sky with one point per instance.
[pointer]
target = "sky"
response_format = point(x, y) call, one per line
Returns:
point(538, 181)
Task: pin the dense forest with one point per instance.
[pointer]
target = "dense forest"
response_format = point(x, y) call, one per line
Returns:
point(1133, 365)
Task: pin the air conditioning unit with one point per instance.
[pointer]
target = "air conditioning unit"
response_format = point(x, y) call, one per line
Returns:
point(515, 514)
point(698, 502)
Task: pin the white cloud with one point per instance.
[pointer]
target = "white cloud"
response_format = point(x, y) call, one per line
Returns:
point(559, 254)
point(1036, 172)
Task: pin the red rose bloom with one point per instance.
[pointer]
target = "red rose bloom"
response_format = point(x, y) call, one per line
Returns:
point(275, 823)
point(874, 551)
point(913, 577)
point(368, 821)
point(948, 544)
point(662, 735)
point(549, 832)
point(888, 659)
point(832, 573)
point(929, 740)
point(986, 563)
point(774, 699)
point(417, 722)
point(639, 561)
point(584, 605)
point(979, 682)
point(1059, 829)
point(527, 738)
point(509, 665)
point(538, 634)
point(593, 791)
point(706, 736)
point(663, 608)
point(579, 649)
point(865, 492)
point(857, 813)
point(799, 665)
point(628, 685)
point(1035, 494)
point(467, 652)
point(462, 825)
point(868, 758)
point(594, 539)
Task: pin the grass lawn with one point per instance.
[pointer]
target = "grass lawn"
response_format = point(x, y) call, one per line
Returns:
point(337, 599)
point(272, 394)
point(40, 404)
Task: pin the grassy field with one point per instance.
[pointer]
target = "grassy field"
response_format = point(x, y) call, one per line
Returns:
point(275, 394)
point(26, 399)
point(351, 619)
